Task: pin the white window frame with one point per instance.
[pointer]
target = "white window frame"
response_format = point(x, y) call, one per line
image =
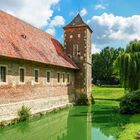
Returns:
point(4, 83)
point(46, 77)
point(38, 76)
point(64, 77)
point(79, 35)
point(24, 75)
point(68, 82)
point(59, 77)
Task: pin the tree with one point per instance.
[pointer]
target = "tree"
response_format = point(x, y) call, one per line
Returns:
point(102, 66)
point(128, 65)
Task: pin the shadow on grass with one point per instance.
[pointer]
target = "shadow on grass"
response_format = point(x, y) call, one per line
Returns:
point(106, 117)
point(107, 99)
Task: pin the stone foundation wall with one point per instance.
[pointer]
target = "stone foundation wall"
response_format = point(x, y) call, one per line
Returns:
point(9, 111)
point(51, 127)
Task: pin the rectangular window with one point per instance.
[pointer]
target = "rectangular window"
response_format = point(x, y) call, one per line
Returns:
point(68, 78)
point(58, 77)
point(79, 35)
point(48, 77)
point(63, 76)
point(3, 74)
point(21, 74)
point(75, 50)
point(36, 75)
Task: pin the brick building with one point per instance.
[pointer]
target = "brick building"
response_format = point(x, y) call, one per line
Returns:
point(37, 71)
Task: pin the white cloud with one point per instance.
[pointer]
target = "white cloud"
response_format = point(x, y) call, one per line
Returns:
point(109, 28)
point(51, 31)
point(56, 22)
point(99, 7)
point(83, 12)
point(95, 49)
point(37, 13)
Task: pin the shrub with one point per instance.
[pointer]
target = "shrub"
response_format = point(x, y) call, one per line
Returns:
point(24, 113)
point(130, 103)
point(82, 99)
point(14, 121)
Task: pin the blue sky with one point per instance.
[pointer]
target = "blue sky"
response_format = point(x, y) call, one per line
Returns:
point(114, 22)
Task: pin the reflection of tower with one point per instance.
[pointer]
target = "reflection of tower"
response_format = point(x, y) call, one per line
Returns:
point(77, 43)
point(89, 123)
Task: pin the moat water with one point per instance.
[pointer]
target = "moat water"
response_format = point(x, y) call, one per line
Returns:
point(96, 122)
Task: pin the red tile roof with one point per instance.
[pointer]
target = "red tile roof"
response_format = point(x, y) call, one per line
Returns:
point(23, 41)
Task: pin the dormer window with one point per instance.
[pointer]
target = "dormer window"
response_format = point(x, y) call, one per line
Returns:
point(73, 23)
point(23, 36)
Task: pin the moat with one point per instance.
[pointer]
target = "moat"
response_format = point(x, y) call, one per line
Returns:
point(96, 122)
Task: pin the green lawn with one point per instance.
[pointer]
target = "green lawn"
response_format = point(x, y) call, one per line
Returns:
point(129, 133)
point(107, 93)
point(123, 127)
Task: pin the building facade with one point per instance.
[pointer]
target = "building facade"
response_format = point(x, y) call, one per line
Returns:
point(36, 71)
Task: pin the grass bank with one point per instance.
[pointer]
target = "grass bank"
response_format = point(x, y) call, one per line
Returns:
point(104, 93)
point(123, 127)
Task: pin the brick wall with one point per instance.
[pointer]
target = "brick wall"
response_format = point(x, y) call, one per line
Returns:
point(80, 36)
point(13, 91)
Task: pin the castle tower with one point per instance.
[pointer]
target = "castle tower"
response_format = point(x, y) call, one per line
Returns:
point(77, 43)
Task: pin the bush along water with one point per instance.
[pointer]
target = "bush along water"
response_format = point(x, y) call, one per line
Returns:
point(24, 113)
point(82, 99)
point(130, 103)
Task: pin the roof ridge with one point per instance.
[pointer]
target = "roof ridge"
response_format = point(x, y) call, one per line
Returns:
point(26, 23)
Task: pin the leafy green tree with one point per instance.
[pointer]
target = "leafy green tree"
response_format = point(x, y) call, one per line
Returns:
point(102, 66)
point(97, 64)
point(128, 65)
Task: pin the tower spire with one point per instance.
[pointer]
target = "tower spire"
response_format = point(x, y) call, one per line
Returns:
point(77, 21)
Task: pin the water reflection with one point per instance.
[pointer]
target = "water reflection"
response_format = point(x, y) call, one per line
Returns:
point(107, 122)
point(77, 123)
point(51, 127)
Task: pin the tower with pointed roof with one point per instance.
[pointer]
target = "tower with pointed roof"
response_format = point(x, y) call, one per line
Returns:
point(77, 43)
